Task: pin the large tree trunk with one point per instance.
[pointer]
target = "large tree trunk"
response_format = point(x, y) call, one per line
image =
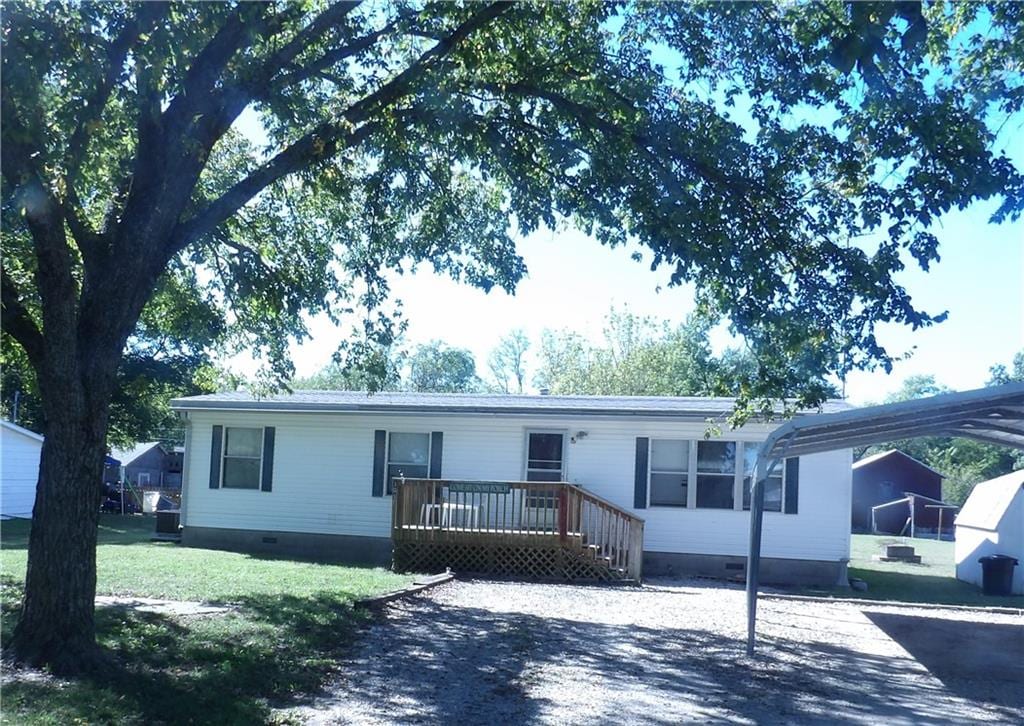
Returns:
point(57, 628)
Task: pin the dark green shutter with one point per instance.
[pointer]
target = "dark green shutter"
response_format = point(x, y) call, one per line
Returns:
point(218, 438)
point(436, 444)
point(640, 482)
point(792, 485)
point(380, 442)
point(268, 459)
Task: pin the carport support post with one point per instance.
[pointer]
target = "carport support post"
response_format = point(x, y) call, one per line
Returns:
point(754, 557)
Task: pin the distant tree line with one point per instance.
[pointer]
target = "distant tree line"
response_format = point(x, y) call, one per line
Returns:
point(636, 356)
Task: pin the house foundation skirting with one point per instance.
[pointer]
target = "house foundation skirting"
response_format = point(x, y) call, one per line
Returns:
point(353, 549)
point(341, 548)
point(774, 570)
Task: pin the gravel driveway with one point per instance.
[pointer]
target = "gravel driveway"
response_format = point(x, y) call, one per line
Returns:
point(670, 652)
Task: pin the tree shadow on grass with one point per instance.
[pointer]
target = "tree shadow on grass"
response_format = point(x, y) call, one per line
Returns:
point(209, 669)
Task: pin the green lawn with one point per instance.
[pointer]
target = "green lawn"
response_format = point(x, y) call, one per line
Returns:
point(932, 581)
point(292, 620)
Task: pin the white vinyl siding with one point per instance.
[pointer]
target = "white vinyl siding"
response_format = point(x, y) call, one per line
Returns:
point(323, 474)
point(19, 472)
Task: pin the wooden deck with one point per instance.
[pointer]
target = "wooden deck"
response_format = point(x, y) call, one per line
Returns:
point(546, 530)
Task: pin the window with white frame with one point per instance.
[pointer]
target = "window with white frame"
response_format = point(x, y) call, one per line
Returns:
point(773, 485)
point(243, 458)
point(669, 472)
point(408, 457)
point(143, 479)
point(716, 474)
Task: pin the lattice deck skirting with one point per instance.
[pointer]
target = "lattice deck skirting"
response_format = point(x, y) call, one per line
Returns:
point(542, 563)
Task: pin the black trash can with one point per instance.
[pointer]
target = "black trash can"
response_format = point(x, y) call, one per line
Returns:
point(997, 574)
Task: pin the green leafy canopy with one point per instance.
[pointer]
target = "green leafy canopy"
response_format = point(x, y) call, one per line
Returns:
point(788, 159)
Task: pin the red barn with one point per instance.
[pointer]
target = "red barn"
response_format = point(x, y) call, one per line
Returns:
point(889, 476)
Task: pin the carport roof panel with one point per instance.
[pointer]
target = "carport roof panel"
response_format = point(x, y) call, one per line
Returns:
point(994, 415)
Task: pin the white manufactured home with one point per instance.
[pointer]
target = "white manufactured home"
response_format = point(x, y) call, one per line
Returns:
point(347, 476)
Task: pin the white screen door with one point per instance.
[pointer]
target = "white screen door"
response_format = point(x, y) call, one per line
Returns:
point(545, 461)
point(545, 456)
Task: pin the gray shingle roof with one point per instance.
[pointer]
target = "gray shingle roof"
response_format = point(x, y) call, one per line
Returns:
point(868, 460)
point(989, 501)
point(127, 456)
point(470, 403)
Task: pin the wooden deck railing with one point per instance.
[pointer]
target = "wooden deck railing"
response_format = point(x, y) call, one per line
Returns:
point(616, 534)
point(518, 513)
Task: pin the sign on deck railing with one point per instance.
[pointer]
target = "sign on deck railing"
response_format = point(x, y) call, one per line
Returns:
point(479, 487)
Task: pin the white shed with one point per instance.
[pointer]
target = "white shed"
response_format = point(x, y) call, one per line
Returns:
point(992, 523)
point(19, 469)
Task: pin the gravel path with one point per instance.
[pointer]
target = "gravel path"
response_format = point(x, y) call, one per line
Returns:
point(670, 652)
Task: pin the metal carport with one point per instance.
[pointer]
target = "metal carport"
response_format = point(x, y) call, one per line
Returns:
point(994, 415)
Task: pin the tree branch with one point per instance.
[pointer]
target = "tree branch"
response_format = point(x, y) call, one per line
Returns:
point(337, 55)
point(18, 323)
point(86, 238)
point(210, 101)
point(400, 84)
point(221, 108)
point(44, 217)
point(148, 15)
point(199, 95)
point(88, 241)
point(328, 138)
point(321, 143)
point(592, 117)
point(349, 49)
point(320, 25)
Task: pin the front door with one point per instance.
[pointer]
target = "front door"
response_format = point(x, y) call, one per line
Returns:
point(545, 461)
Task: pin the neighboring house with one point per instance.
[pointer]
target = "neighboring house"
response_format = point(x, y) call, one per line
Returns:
point(19, 469)
point(889, 476)
point(147, 465)
point(991, 522)
point(309, 473)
